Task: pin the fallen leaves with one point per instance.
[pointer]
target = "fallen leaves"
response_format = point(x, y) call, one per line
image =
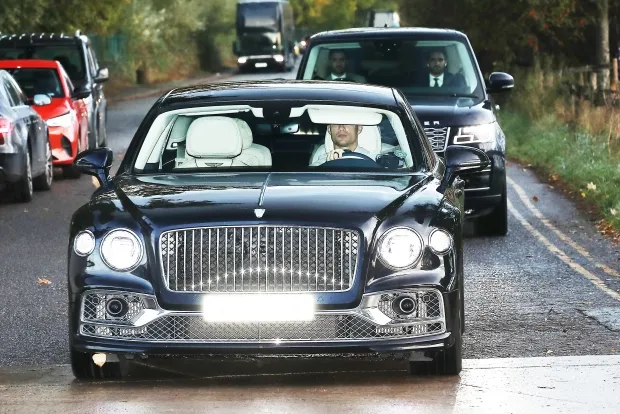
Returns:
point(613, 211)
point(583, 195)
point(591, 186)
point(43, 281)
point(535, 199)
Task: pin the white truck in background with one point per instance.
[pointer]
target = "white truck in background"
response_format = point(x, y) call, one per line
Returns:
point(383, 18)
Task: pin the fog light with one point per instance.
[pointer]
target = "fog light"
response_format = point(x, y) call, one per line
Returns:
point(404, 305)
point(117, 307)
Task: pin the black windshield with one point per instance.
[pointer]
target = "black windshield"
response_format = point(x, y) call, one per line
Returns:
point(68, 55)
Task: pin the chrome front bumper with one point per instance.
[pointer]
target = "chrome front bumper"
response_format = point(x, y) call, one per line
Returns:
point(374, 319)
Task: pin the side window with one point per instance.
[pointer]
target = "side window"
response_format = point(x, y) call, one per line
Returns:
point(91, 61)
point(4, 98)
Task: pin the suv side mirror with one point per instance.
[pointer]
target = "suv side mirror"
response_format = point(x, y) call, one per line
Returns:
point(96, 162)
point(81, 92)
point(41, 99)
point(500, 82)
point(462, 159)
point(102, 75)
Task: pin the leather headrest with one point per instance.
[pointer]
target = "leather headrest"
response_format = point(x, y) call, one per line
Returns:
point(246, 132)
point(214, 137)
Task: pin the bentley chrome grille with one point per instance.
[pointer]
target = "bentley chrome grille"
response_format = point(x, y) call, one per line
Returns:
point(438, 137)
point(259, 259)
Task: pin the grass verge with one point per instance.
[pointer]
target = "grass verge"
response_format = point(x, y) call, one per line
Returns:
point(573, 159)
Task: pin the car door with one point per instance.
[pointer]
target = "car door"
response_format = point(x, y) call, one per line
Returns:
point(36, 127)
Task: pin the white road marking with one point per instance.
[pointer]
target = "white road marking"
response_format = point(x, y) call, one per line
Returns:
point(524, 198)
point(561, 255)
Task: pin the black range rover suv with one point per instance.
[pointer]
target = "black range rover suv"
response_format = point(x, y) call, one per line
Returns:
point(437, 71)
point(78, 58)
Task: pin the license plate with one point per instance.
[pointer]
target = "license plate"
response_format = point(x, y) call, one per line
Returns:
point(260, 65)
point(258, 307)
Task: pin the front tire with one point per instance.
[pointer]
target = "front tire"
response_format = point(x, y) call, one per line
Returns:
point(448, 361)
point(44, 181)
point(496, 223)
point(83, 367)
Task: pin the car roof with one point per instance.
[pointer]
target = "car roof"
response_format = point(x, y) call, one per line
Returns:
point(383, 32)
point(24, 39)
point(285, 90)
point(29, 63)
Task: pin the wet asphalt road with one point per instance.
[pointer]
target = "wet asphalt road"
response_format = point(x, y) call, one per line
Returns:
point(551, 287)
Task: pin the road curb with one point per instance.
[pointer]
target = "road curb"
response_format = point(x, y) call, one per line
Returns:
point(157, 90)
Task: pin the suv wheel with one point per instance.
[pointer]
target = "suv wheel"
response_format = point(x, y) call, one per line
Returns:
point(496, 223)
point(22, 190)
point(44, 181)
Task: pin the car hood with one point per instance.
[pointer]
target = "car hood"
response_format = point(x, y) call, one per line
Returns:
point(449, 111)
point(165, 202)
point(58, 107)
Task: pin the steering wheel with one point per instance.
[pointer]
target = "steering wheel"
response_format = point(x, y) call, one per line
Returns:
point(352, 159)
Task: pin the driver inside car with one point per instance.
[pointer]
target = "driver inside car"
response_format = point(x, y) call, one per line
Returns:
point(343, 137)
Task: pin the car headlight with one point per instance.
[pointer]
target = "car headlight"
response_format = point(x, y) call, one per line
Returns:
point(121, 250)
point(279, 58)
point(84, 243)
point(400, 247)
point(475, 134)
point(60, 121)
point(440, 242)
point(242, 60)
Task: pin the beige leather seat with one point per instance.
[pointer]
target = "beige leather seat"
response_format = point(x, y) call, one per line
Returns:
point(218, 141)
point(369, 139)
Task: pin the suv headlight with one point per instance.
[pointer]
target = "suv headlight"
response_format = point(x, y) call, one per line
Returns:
point(400, 248)
point(121, 250)
point(475, 134)
point(60, 121)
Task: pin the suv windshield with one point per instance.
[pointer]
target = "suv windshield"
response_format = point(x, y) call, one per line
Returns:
point(245, 138)
point(68, 55)
point(419, 68)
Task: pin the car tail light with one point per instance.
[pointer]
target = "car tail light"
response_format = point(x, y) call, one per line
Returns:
point(6, 127)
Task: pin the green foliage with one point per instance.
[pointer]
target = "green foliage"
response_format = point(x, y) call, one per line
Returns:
point(574, 156)
point(504, 33)
point(319, 15)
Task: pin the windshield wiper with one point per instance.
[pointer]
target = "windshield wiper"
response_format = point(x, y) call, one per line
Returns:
point(465, 95)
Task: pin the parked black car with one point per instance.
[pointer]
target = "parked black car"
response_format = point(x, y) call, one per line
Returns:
point(228, 229)
point(438, 72)
point(79, 59)
point(25, 151)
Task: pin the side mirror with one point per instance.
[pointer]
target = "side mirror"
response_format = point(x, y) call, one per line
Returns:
point(102, 75)
point(500, 82)
point(81, 93)
point(461, 159)
point(41, 100)
point(96, 162)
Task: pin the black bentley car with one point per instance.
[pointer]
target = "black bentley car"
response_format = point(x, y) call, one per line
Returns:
point(437, 71)
point(271, 217)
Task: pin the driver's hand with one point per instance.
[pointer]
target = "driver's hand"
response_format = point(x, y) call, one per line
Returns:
point(334, 154)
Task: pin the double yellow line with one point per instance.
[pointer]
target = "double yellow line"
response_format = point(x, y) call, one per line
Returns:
point(554, 249)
